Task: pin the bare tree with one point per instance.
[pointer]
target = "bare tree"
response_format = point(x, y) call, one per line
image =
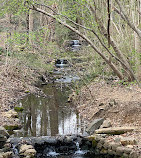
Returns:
point(125, 17)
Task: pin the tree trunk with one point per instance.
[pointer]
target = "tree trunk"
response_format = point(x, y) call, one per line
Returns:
point(138, 44)
point(125, 17)
point(113, 67)
point(128, 70)
point(30, 26)
point(51, 25)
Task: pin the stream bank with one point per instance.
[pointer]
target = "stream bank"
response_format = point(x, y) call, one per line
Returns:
point(118, 104)
point(103, 144)
point(43, 116)
point(104, 100)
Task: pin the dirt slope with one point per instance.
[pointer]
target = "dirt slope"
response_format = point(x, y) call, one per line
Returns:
point(119, 103)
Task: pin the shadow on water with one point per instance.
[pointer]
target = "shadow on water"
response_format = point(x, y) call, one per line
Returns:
point(52, 115)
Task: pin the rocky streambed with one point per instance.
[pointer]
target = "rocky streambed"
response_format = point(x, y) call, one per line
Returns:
point(98, 145)
point(51, 127)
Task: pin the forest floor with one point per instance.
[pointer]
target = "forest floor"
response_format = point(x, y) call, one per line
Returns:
point(17, 79)
point(121, 104)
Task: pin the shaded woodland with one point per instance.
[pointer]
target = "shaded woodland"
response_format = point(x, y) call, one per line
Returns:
point(112, 29)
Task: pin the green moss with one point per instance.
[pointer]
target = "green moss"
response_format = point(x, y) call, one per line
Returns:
point(123, 157)
point(27, 91)
point(18, 109)
point(103, 151)
point(11, 127)
point(94, 143)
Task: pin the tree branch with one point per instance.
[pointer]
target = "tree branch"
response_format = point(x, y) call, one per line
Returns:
point(139, 12)
point(93, 33)
point(65, 17)
point(114, 68)
point(125, 17)
point(118, 73)
point(121, 58)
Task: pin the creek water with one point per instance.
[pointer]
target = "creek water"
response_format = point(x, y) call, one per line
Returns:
point(53, 115)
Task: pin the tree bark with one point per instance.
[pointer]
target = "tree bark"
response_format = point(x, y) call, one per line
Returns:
point(30, 25)
point(113, 67)
point(103, 31)
point(138, 44)
point(125, 17)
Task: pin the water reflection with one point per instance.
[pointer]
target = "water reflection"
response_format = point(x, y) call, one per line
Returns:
point(50, 116)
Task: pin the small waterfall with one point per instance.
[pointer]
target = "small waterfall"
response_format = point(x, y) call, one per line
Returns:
point(79, 151)
point(52, 154)
point(76, 42)
point(77, 146)
point(61, 62)
point(15, 151)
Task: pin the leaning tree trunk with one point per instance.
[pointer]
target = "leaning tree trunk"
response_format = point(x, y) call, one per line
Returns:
point(113, 67)
point(138, 44)
point(128, 71)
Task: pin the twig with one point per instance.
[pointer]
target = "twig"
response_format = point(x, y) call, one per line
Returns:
point(125, 17)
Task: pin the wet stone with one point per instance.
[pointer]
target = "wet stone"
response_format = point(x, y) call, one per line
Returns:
point(68, 139)
point(42, 140)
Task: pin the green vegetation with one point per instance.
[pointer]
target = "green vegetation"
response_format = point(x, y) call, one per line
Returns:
point(39, 33)
point(11, 128)
point(18, 109)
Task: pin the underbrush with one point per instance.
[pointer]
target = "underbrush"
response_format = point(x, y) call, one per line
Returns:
point(19, 71)
point(89, 67)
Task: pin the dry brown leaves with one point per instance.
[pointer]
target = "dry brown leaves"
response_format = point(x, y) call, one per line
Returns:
point(121, 104)
point(15, 81)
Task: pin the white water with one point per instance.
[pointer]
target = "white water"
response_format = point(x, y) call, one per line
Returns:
point(79, 151)
point(52, 154)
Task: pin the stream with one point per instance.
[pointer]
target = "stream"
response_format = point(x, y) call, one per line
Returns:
point(53, 116)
